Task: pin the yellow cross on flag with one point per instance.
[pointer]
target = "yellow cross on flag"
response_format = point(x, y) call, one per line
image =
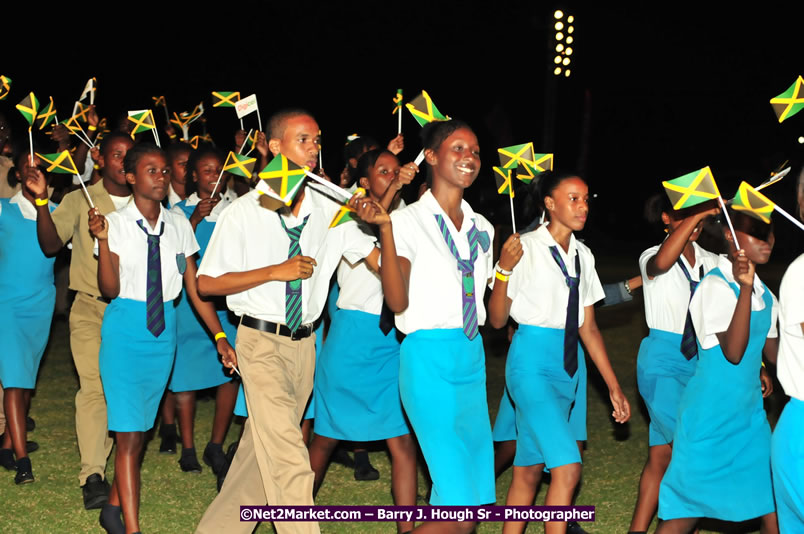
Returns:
point(691, 189)
point(790, 102)
point(60, 162)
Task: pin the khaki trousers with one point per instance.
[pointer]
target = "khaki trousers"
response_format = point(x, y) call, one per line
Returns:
point(271, 465)
point(91, 425)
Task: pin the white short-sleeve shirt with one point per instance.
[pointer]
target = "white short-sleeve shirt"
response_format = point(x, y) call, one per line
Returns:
point(128, 241)
point(712, 306)
point(790, 364)
point(248, 236)
point(435, 289)
point(537, 288)
point(667, 296)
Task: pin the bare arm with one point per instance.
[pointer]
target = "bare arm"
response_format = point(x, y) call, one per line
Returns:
point(46, 233)
point(108, 261)
point(297, 267)
point(206, 310)
point(593, 339)
point(734, 340)
point(674, 245)
point(771, 348)
point(500, 302)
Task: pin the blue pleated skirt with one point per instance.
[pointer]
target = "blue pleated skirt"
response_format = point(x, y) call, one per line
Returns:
point(357, 381)
point(787, 461)
point(662, 375)
point(543, 394)
point(134, 365)
point(198, 365)
point(25, 334)
point(442, 382)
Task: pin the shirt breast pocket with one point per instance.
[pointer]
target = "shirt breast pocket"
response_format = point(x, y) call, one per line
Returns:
point(181, 263)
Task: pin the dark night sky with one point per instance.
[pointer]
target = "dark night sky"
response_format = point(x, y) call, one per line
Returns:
point(667, 91)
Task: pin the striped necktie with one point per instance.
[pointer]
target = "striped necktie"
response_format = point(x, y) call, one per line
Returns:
point(293, 288)
point(467, 268)
point(154, 306)
point(571, 323)
point(689, 343)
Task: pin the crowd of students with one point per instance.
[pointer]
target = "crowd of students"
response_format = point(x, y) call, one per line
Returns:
point(182, 279)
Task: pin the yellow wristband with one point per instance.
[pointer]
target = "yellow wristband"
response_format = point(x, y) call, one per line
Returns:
point(220, 335)
point(41, 201)
point(173, 136)
point(500, 276)
point(92, 128)
point(763, 364)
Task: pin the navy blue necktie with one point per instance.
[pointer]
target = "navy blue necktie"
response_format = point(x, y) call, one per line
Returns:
point(154, 306)
point(689, 344)
point(571, 324)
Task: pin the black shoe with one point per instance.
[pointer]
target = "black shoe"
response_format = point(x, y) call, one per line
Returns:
point(169, 439)
point(189, 461)
point(7, 459)
point(215, 458)
point(96, 492)
point(24, 471)
point(230, 454)
point(366, 472)
point(340, 456)
point(31, 446)
point(30, 424)
point(110, 519)
point(574, 528)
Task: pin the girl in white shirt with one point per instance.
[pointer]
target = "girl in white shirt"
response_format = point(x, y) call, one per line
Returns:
point(546, 281)
point(144, 254)
point(665, 364)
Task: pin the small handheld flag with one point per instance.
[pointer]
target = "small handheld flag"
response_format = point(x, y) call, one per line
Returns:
point(423, 109)
point(505, 186)
point(194, 115)
point(790, 102)
point(75, 128)
point(161, 101)
point(225, 99)
point(143, 121)
point(80, 111)
point(691, 189)
point(89, 91)
point(5, 86)
point(346, 213)
point(240, 165)
point(29, 107)
point(46, 115)
point(774, 177)
point(62, 163)
point(283, 178)
point(751, 202)
point(513, 156)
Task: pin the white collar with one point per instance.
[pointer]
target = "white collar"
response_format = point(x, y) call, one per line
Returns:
point(131, 212)
point(26, 207)
point(545, 237)
point(429, 201)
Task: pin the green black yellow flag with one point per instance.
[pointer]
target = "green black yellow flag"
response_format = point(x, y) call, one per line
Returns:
point(193, 115)
point(251, 140)
point(46, 115)
point(72, 125)
point(80, 111)
point(513, 156)
point(790, 102)
point(225, 99)
point(526, 173)
point(89, 90)
point(503, 179)
point(283, 177)
point(240, 165)
point(60, 162)
point(178, 120)
point(193, 142)
point(753, 203)
point(159, 101)
point(423, 109)
point(143, 121)
point(29, 107)
point(5, 86)
point(691, 189)
point(346, 214)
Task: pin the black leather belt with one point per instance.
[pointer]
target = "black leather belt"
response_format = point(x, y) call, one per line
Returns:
point(99, 299)
point(302, 332)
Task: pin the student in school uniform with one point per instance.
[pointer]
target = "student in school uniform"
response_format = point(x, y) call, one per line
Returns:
point(144, 253)
point(357, 382)
point(787, 443)
point(554, 310)
point(668, 356)
point(274, 267)
point(27, 298)
point(69, 222)
point(720, 467)
point(436, 261)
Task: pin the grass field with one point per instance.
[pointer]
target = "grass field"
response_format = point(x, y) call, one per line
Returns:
point(173, 502)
